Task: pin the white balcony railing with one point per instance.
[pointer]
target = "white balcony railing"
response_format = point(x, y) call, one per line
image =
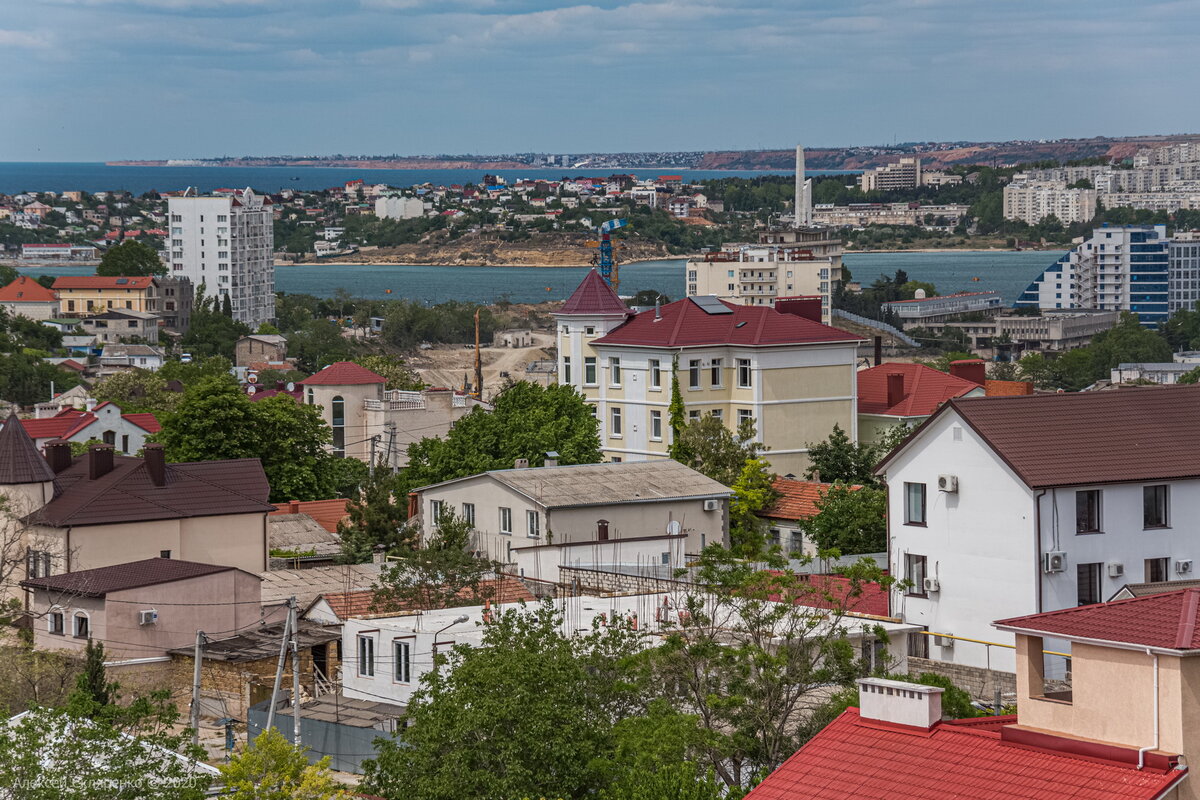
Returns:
point(396, 400)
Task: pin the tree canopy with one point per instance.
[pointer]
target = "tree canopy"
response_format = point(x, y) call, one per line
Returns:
point(131, 258)
point(851, 521)
point(706, 445)
point(274, 769)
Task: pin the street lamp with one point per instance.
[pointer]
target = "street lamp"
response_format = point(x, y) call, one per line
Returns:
point(457, 620)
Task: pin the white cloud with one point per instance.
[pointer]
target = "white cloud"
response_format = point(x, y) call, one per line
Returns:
point(24, 39)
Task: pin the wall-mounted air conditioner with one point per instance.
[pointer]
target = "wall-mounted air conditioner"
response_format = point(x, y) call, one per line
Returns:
point(948, 483)
point(712, 505)
point(1183, 566)
point(932, 585)
point(1054, 562)
point(147, 617)
point(1115, 569)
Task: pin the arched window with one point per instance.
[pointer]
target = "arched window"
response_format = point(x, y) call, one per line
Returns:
point(81, 627)
point(602, 530)
point(338, 423)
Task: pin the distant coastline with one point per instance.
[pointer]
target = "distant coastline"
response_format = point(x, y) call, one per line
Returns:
point(413, 163)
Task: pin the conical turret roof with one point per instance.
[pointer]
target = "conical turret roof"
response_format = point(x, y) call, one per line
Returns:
point(594, 296)
point(20, 461)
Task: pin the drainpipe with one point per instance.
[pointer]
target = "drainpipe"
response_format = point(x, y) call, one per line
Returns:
point(1142, 750)
point(1037, 545)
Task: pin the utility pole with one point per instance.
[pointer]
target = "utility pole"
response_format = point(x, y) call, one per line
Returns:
point(293, 615)
point(371, 463)
point(197, 658)
point(283, 645)
point(391, 445)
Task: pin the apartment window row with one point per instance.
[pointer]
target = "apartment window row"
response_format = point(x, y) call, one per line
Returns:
point(716, 366)
point(1089, 509)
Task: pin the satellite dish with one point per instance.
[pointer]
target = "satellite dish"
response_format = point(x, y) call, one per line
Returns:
point(674, 528)
point(251, 389)
point(291, 387)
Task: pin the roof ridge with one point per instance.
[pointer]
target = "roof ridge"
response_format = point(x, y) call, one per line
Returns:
point(1187, 620)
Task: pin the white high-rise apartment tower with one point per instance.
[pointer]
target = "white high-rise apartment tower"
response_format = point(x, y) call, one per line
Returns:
point(224, 243)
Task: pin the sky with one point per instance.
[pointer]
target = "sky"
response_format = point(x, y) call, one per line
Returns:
point(94, 80)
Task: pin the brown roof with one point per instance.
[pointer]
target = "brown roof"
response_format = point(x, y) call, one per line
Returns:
point(127, 494)
point(1128, 435)
point(505, 589)
point(132, 575)
point(327, 513)
point(20, 461)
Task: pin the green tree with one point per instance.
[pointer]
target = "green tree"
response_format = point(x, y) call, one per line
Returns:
point(275, 769)
point(753, 493)
point(1190, 377)
point(137, 390)
point(676, 414)
point(837, 459)
point(525, 715)
point(131, 258)
point(527, 421)
point(319, 343)
point(399, 375)
point(851, 521)
point(267, 329)
point(714, 450)
point(440, 574)
point(93, 684)
point(375, 519)
point(211, 332)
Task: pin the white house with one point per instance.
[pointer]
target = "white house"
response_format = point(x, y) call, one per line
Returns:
point(1007, 506)
point(538, 519)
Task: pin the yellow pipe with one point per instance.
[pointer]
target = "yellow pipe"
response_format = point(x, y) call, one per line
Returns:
point(992, 644)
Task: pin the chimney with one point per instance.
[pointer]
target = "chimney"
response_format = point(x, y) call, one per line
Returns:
point(878, 350)
point(521, 463)
point(58, 455)
point(379, 554)
point(805, 307)
point(900, 703)
point(100, 461)
point(895, 388)
point(658, 308)
point(293, 506)
point(816, 476)
point(89, 404)
point(972, 369)
point(155, 459)
point(551, 459)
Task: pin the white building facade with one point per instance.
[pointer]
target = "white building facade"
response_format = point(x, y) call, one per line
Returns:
point(225, 243)
point(1033, 201)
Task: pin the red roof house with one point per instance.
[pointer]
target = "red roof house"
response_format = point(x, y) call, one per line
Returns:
point(104, 423)
point(594, 297)
point(26, 290)
point(909, 391)
point(343, 373)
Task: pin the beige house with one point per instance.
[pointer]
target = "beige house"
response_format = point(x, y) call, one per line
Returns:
point(537, 519)
point(141, 609)
point(99, 510)
point(25, 297)
point(259, 347)
point(793, 376)
point(368, 419)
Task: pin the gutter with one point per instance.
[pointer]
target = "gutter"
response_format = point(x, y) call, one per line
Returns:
point(129, 662)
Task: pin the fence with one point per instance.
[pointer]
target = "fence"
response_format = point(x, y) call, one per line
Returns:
point(874, 323)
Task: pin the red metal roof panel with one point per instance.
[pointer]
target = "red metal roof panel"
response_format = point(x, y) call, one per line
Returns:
point(925, 389)
point(594, 296)
point(343, 373)
point(1166, 620)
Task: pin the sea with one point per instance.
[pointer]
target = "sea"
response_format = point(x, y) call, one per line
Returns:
point(1005, 272)
point(22, 176)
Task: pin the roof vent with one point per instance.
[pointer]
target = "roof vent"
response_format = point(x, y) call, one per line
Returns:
point(899, 702)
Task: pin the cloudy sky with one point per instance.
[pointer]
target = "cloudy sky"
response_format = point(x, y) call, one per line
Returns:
point(113, 79)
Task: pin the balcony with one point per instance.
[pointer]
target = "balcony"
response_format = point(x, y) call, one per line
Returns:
point(396, 400)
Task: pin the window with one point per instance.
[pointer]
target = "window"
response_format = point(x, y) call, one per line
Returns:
point(656, 425)
point(1087, 511)
point(744, 415)
point(616, 422)
point(402, 657)
point(81, 626)
point(589, 371)
point(37, 564)
point(914, 504)
point(693, 414)
point(614, 371)
point(366, 656)
point(589, 331)
point(694, 374)
point(743, 367)
point(602, 530)
point(1154, 506)
point(1156, 570)
point(338, 424)
point(469, 513)
point(715, 373)
point(1087, 577)
point(718, 413)
point(506, 520)
point(567, 369)
point(435, 511)
point(918, 644)
point(533, 527)
point(164, 553)
point(56, 623)
point(914, 573)
point(655, 374)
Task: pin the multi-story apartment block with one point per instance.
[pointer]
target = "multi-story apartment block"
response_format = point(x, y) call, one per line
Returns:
point(859, 214)
point(1116, 269)
point(1034, 201)
point(1052, 331)
point(86, 295)
point(787, 263)
point(224, 243)
point(792, 375)
point(1183, 279)
point(906, 174)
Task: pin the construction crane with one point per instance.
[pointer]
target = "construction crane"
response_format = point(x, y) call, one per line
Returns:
point(603, 259)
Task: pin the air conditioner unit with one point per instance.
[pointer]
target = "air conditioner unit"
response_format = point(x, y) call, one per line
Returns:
point(1183, 566)
point(148, 617)
point(1054, 562)
point(712, 505)
point(943, 640)
point(948, 483)
point(931, 585)
point(1115, 569)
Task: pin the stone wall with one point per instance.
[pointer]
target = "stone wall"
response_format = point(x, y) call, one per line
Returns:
point(980, 683)
point(600, 581)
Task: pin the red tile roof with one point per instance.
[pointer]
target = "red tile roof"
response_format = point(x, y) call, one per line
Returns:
point(144, 420)
point(1167, 620)
point(26, 290)
point(506, 589)
point(327, 513)
point(1075, 439)
point(925, 389)
point(343, 373)
point(131, 575)
point(594, 296)
point(685, 324)
point(71, 421)
point(20, 461)
point(955, 760)
point(100, 282)
point(797, 499)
